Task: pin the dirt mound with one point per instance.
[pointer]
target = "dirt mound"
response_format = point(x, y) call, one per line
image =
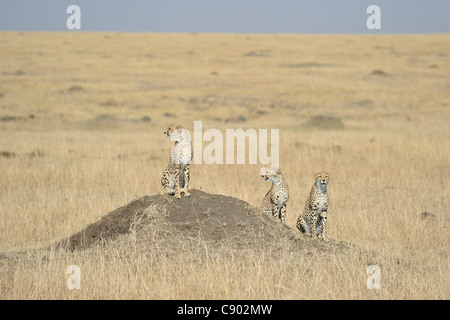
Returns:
point(324, 123)
point(378, 72)
point(213, 220)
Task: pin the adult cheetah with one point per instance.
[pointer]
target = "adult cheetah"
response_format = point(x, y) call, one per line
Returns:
point(176, 176)
point(274, 202)
point(314, 218)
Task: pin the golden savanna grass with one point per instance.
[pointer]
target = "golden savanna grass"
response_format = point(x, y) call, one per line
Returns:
point(75, 145)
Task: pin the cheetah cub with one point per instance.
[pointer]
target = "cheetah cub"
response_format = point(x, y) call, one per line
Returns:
point(314, 218)
point(274, 203)
point(176, 176)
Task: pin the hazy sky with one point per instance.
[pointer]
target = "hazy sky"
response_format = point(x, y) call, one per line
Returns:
point(235, 16)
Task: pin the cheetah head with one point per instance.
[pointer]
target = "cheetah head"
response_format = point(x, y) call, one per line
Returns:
point(178, 133)
point(322, 179)
point(270, 174)
point(173, 128)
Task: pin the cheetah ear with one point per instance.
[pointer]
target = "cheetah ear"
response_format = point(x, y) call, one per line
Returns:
point(278, 171)
point(179, 130)
point(316, 175)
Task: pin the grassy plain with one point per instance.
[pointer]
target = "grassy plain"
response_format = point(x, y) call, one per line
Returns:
point(82, 116)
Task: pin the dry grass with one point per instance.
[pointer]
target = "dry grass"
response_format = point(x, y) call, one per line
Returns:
point(66, 166)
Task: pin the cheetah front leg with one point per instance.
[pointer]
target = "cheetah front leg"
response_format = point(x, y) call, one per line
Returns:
point(313, 225)
point(167, 182)
point(282, 213)
point(323, 218)
point(274, 210)
point(177, 183)
point(301, 224)
point(266, 205)
point(187, 176)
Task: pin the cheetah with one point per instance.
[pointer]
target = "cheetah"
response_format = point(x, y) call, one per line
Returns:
point(274, 202)
point(314, 218)
point(176, 176)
